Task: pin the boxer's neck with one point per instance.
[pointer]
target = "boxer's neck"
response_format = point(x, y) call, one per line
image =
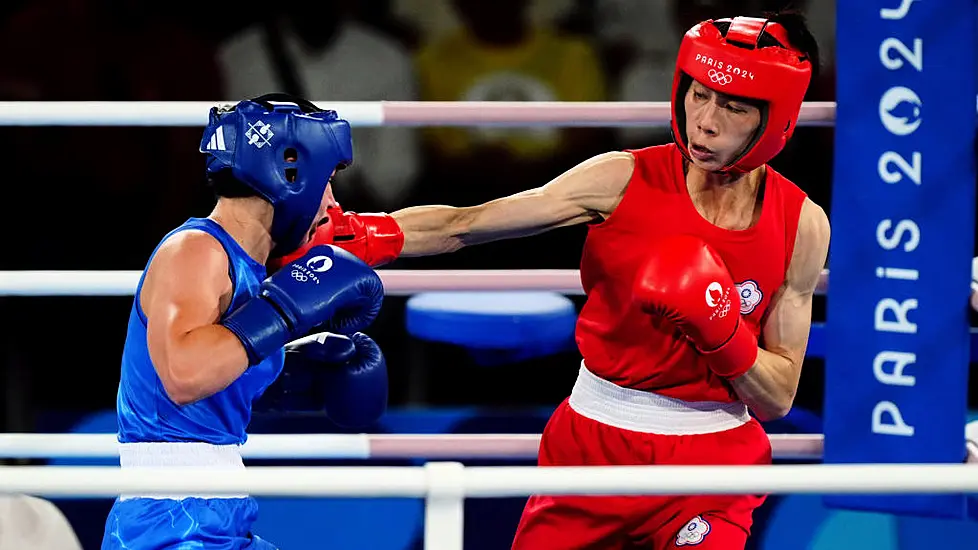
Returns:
point(729, 204)
point(248, 220)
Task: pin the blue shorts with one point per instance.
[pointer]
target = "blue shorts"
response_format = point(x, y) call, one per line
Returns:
point(191, 523)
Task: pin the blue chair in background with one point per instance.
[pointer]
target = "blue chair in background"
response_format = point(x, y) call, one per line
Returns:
point(495, 328)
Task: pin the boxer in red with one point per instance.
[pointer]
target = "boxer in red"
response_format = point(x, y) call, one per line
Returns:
point(697, 252)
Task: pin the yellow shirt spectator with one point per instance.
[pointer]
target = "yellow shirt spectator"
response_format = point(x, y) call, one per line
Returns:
point(545, 67)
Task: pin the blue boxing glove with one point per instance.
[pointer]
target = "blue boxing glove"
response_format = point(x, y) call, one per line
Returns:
point(326, 289)
point(355, 392)
point(350, 376)
point(343, 377)
point(299, 388)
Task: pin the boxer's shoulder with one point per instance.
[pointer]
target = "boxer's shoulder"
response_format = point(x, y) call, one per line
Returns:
point(189, 257)
point(610, 170)
point(811, 247)
point(193, 248)
point(813, 225)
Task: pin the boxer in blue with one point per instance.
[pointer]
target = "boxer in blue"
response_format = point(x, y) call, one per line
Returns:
point(210, 331)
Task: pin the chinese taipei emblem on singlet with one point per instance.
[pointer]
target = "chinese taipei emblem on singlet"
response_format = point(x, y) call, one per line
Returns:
point(750, 296)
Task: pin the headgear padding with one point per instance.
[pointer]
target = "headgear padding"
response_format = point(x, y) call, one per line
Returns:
point(253, 140)
point(734, 64)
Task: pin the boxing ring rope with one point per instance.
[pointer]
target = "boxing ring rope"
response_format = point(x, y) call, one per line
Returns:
point(446, 485)
point(354, 446)
point(372, 113)
point(489, 481)
point(396, 282)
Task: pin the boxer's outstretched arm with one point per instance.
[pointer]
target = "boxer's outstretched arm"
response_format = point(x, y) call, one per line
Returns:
point(587, 192)
point(769, 387)
point(183, 296)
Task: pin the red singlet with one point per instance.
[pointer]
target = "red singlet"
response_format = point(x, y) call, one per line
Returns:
point(624, 345)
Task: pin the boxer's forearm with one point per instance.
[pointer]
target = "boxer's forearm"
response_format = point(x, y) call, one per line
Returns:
point(769, 387)
point(201, 363)
point(430, 230)
point(575, 197)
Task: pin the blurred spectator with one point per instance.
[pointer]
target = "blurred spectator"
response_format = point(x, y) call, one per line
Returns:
point(432, 18)
point(499, 55)
point(320, 52)
point(380, 15)
point(101, 50)
point(626, 29)
point(649, 76)
point(629, 29)
point(821, 20)
point(435, 18)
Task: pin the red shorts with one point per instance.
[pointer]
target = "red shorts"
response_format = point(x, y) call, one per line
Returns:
point(656, 522)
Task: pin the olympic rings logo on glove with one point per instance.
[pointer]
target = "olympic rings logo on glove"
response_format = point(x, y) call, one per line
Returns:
point(299, 276)
point(720, 78)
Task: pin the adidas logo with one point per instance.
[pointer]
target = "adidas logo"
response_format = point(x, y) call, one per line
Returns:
point(216, 142)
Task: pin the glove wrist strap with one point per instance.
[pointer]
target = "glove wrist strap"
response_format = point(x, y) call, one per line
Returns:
point(259, 327)
point(737, 355)
point(385, 239)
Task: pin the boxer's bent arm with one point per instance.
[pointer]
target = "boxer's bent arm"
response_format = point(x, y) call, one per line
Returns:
point(769, 387)
point(587, 192)
point(183, 297)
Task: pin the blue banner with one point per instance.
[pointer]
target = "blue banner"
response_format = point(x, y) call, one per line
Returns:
point(903, 223)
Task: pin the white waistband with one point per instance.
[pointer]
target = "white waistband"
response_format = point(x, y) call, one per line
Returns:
point(647, 412)
point(180, 455)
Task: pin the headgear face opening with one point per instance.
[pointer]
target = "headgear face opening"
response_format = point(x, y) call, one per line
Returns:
point(285, 149)
point(777, 76)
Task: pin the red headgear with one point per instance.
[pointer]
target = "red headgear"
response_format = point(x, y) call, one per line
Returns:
point(733, 64)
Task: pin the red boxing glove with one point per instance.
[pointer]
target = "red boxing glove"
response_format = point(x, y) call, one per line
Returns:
point(374, 238)
point(322, 235)
point(686, 281)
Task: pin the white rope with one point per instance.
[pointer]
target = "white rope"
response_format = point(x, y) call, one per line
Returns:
point(396, 282)
point(353, 446)
point(148, 113)
point(105, 445)
point(505, 481)
point(493, 481)
point(372, 113)
point(68, 283)
point(110, 481)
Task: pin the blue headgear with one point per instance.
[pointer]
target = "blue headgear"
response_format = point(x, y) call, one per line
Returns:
point(253, 140)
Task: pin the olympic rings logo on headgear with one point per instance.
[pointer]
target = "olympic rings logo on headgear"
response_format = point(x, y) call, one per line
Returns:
point(299, 276)
point(719, 58)
point(720, 78)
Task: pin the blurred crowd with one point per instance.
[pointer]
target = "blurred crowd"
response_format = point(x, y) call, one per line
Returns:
point(101, 198)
